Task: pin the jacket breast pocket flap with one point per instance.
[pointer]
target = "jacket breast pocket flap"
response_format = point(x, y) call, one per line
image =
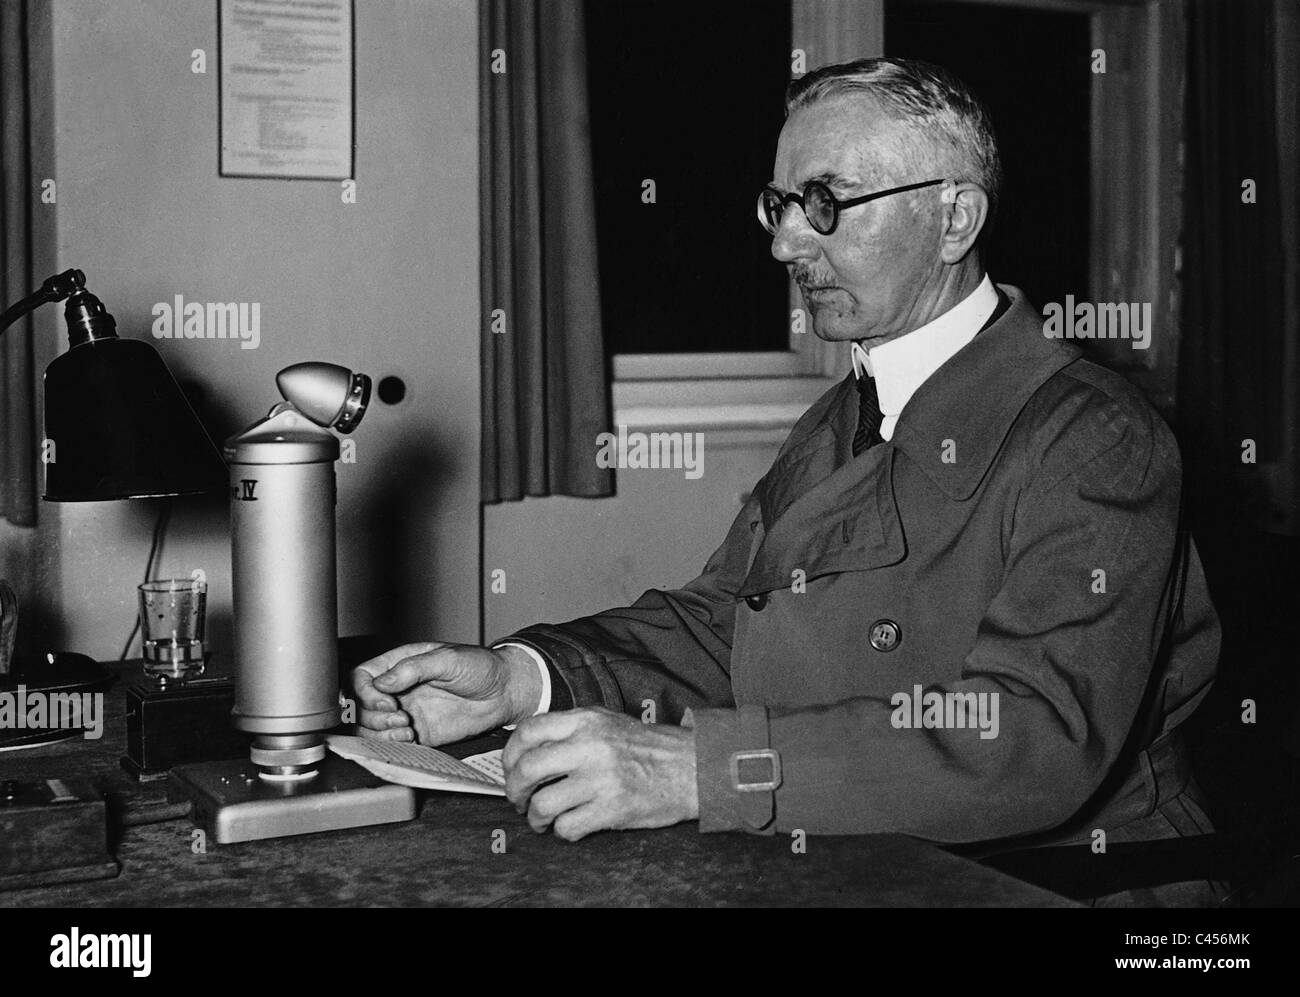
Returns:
point(860, 534)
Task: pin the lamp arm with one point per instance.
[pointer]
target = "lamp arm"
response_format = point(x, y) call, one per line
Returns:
point(54, 288)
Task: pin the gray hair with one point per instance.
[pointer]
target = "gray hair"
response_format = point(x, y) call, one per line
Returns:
point(932, 103)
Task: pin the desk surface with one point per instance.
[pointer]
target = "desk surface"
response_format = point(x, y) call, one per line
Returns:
point(445, 857)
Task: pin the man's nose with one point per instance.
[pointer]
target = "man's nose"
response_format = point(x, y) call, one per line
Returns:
point(795, 238)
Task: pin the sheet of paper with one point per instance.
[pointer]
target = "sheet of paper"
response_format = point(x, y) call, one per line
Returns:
point(422, 767)
point(286, 89)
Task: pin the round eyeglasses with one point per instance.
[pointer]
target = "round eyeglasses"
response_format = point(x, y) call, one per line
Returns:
point(820, 206)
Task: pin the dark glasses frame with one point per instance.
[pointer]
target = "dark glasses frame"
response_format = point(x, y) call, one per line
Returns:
point(837, 206)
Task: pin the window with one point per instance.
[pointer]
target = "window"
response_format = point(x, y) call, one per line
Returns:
point(728, 353)
point(686, 104)
point(1038, 93)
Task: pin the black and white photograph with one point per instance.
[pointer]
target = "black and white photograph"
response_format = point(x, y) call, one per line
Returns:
point(648, 453)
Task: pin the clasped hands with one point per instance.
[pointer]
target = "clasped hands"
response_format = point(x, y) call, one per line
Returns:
point(575, 771)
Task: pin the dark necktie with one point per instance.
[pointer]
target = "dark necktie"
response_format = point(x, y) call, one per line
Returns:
point(869, 417)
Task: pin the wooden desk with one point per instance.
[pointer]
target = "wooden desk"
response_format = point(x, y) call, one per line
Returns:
point(445, 858)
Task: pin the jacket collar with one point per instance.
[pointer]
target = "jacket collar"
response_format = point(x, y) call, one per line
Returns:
point(955, 423)
point(825, 510)
point(971, 400)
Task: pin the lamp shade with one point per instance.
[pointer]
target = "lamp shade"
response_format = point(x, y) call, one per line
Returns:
point(121, 428)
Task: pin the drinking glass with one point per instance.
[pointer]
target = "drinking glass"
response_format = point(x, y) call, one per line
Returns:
point(172, 614)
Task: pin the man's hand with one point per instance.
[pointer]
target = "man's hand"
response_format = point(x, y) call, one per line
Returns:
point(587, 770)
point(436, 693)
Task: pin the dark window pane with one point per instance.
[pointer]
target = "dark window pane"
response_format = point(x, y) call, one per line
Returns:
point(1031, 68)
point(691, 97)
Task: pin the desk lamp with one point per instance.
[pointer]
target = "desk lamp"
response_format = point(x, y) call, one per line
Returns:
point(120, 426)
point(117, 426)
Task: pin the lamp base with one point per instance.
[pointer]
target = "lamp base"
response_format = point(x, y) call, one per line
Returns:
point(233, 804)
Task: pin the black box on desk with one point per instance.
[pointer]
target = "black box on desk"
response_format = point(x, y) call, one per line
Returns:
point(52, 831)
point(179, 724)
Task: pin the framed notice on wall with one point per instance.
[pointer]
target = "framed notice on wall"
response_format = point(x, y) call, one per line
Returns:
point(286, 88)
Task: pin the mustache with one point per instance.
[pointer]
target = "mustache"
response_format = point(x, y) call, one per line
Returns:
point(807, 278)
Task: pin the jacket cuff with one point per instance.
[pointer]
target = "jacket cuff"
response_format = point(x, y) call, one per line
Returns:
point(732, 758)
point(576, 671)
point(561, 694)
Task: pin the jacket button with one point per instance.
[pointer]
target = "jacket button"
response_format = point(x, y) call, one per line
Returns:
point(885, 635)
point(757, 601)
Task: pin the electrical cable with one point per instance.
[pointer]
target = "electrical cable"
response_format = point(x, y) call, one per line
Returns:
point(160, 527)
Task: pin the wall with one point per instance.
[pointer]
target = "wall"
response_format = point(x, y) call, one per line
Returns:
point(567, 557)
point(388, 285)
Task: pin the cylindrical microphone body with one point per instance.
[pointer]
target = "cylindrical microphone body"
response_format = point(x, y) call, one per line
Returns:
point(282, 496)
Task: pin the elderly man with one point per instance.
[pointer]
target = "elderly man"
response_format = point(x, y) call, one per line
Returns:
point(956, 606)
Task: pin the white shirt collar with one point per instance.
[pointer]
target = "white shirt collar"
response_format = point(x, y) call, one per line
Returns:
point(902, 365)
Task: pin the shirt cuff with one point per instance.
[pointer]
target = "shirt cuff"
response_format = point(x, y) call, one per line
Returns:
point(543, 704)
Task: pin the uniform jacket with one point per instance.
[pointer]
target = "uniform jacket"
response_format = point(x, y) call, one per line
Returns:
point(1017, 536)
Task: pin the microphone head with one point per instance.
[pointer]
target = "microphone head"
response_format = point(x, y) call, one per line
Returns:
point(327, 394)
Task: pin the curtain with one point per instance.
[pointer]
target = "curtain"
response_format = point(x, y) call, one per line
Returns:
point(1231, 369)
point(545, 386)
point(18, 472)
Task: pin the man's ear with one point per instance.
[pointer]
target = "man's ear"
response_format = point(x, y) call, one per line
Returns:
point(965, 210)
